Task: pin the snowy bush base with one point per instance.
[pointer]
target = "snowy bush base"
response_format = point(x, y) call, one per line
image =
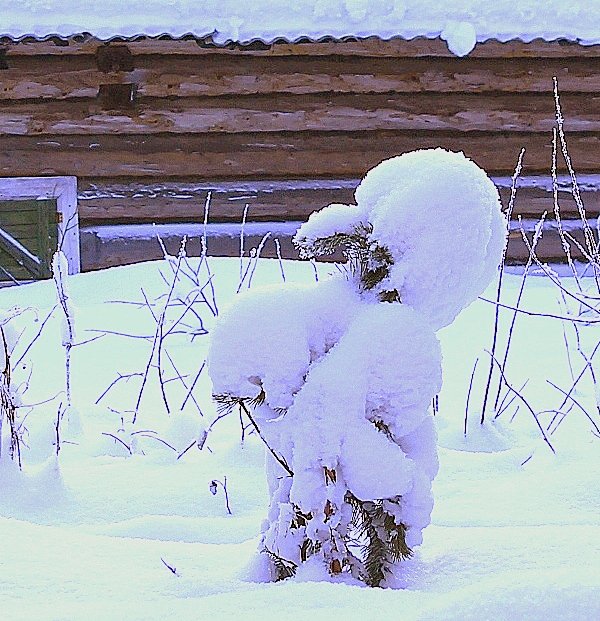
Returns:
point(340, 375)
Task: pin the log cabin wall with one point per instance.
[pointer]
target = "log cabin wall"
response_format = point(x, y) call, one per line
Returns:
point(148, 125)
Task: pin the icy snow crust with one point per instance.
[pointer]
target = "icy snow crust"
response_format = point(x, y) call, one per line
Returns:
point(461, 24)
point(343, 379)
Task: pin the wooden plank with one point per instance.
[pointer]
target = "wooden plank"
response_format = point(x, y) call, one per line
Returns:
point(22, 232)
point(274, 155)
point(533, 202)
point(22, 255)
point(14, 215)
point(549, 248)
point(100, 251)
point(370, 46)
point(70, 77)
point(187, 205)
point(59, 196)
point(10, 270)
point(268, 202)
point(350, 113)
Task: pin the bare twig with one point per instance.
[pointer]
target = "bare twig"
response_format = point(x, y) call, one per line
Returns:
point(213, 490)
point(469, 396)
point(257, 257)
point(529, 313)
point(536, 237)
point(36, 337)
point(117, 439)
point(569, 396)
point(524, 401)
point(509, 210)
point(157, 343)
point(282, 462)
point(120, 377)
point(590, 241)
point(173, 570)
point(278, 250)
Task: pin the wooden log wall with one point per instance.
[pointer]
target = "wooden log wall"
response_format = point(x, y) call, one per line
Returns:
point(129, 116)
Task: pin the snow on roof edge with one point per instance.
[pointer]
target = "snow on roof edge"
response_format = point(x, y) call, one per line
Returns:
point(208, 38)
point(456, 47)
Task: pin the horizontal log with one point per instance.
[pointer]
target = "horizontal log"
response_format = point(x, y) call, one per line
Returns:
point(100, 250)
point(270, 202)
point(533, 202)
point(180, 202)
point(549, 247)
point(459, 112)
point(272, 155)
point(49, 77)
point(370, 46)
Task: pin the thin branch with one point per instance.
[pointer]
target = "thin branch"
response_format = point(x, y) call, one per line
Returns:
point(469, 395)
point(509, 210)
point(182, 380)
point(114, 382)
point(189, 393)
point(536, 237)
point(117, 439)
point(278, 458)
point(36, 337)
point(540, 314)
point(576, 403)
point(524, 401)
point(502, 407)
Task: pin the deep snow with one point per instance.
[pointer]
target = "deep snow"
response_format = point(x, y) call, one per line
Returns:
point(507, 541)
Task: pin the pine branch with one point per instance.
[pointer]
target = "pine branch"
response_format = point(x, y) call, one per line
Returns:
point(283, 568)
point(366, 259)
point(227, 403)
point(385, 540)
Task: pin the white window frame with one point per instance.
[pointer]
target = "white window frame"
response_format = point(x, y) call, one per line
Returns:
point(64, 191)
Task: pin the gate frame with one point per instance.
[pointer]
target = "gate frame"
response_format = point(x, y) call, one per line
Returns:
point(64, 191)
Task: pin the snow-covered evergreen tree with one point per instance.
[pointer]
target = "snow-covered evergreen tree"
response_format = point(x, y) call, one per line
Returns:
point(338, 376)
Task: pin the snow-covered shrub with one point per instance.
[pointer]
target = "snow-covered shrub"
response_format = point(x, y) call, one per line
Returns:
point(11, 392)
point(9, 398)
point(337, 376)
point(60, 275)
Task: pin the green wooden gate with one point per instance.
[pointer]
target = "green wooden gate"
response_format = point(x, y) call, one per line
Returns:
point(28, 238)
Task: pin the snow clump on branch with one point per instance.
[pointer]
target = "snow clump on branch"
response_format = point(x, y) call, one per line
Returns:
point(338, 376)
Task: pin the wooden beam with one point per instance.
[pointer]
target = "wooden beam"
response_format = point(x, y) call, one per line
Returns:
point(274, 155)
point(103, 202)
point(549, 247)
point(101, 249)
point(58, 77)
point(326, 112)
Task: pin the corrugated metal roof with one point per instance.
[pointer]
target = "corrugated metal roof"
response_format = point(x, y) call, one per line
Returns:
point(460, 23)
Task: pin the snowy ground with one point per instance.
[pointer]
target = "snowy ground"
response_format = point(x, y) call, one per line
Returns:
point(92, 540)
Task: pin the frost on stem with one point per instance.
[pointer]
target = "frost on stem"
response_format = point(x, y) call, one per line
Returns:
point(337, 376)
point(60, 274)
point(9, 395)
